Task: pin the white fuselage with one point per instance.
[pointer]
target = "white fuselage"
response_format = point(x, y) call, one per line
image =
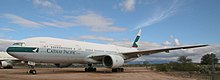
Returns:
point(53, 50)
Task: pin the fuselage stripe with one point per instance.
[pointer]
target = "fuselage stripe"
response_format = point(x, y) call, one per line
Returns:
point(22, 49)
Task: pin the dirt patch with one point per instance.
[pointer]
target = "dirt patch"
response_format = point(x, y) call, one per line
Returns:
point(130, 73)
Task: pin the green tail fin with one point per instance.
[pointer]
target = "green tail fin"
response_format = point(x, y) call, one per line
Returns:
point(135, 45)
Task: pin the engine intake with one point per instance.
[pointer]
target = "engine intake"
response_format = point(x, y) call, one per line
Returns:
point(6, 64)
point(112, 61)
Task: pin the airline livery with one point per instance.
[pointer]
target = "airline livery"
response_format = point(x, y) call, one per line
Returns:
point(64, 53)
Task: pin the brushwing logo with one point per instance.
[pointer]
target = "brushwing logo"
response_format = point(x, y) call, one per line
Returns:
point(36, 50)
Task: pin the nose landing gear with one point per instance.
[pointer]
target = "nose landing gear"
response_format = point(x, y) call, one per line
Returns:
point(32, 70)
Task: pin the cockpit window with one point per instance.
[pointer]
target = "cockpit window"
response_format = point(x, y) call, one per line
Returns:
point(19, 44)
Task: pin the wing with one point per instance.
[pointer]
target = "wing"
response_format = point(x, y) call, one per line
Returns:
point(134, 55)
point(153, 51)
point(11, 59)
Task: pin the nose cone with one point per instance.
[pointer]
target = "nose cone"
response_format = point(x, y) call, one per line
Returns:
point(9, 51)
point(12, 51)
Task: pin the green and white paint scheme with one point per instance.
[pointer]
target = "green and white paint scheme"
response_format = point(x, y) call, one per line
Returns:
point(135, 44)
point(67, 52)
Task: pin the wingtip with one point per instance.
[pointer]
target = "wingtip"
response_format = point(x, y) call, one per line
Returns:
point(139, 32)
point(203, 45)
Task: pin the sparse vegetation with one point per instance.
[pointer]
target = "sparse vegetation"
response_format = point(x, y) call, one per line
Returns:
point(162, 67)
point(208, 59)
point(185, 64)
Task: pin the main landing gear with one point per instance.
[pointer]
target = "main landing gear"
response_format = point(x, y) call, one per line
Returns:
point(32, 70)
point(90, 68)
point(117, 69)
point(8, 67)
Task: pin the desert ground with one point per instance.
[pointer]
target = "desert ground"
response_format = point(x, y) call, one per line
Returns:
point(130, 73)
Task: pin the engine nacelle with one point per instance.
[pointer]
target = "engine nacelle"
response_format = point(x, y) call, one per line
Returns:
point(112, 61)
point(6, 64)
point(62, 65)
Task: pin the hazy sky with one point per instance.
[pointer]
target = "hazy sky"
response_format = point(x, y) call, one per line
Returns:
point(103, 21)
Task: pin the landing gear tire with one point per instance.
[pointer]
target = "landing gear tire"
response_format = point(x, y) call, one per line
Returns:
point(90, 68)
point(118, 70)
point(33, 71)
point(8, 67)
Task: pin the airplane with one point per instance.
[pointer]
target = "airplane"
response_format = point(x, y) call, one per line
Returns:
point(7, 61)
point(63, 53)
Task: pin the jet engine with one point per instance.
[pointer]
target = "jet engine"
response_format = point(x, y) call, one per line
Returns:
point(6, 64)
point(112, 61)
point(62, 65)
